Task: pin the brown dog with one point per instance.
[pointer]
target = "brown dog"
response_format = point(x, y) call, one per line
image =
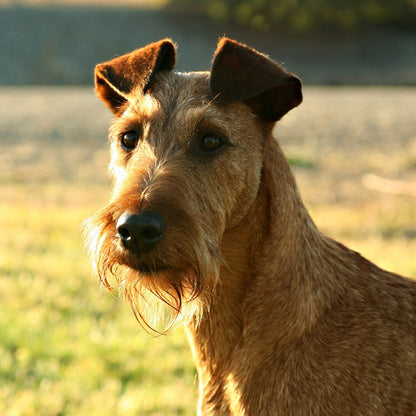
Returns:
point(205, 214)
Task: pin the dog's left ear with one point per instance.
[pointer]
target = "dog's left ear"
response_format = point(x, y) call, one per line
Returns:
point(115, 79)
point(240, 73)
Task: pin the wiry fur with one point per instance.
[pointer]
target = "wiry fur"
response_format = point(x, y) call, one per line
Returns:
point(281, 319)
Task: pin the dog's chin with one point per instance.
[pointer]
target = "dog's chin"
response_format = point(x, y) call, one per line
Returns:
point(144, 267)
point(137, 262)
point(150, 269)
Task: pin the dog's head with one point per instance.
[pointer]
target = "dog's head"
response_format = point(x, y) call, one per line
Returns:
point(187, 153)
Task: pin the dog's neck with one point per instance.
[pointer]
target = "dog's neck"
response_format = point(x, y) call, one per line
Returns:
point(271, 244)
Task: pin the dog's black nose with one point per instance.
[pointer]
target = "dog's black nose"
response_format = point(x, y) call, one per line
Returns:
point(140, 232)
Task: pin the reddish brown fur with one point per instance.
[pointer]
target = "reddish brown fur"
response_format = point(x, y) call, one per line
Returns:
point(281, 319)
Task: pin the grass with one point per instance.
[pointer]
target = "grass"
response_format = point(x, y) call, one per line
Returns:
point(384, 232)
point(68, 347)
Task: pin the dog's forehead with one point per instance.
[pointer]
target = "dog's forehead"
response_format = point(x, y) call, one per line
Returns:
point(171, 94)
point(179, 91)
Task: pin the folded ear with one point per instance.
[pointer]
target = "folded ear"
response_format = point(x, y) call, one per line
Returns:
point(240, 73)
point(115, 79)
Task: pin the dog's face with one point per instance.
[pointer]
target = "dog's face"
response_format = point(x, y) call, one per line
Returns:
point(175, 151)
point(186, 160)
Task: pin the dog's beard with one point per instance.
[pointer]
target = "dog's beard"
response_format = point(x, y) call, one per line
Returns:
point(159, 290)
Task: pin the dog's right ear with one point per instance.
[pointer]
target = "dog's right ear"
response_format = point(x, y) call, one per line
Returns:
point(117, 78)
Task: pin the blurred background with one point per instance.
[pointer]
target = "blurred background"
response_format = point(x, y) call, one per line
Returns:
point(57, 42)
point(66, 345)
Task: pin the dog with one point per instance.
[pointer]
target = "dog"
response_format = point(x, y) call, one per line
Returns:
point(205, 215)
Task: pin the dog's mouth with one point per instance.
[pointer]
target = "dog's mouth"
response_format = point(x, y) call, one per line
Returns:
point(144, 265)
point(150, 269)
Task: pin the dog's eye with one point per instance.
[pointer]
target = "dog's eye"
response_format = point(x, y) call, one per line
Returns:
point(211, 143)
point(129, 140)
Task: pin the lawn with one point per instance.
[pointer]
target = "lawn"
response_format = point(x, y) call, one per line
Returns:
point(69, 347)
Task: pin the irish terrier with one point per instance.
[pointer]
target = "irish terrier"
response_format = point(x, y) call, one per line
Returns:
point(206, 216)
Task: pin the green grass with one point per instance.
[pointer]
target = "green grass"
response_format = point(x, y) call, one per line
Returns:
point(67, 346)
point(301, 162)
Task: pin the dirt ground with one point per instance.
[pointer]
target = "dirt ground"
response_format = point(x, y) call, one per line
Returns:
point(343, 142)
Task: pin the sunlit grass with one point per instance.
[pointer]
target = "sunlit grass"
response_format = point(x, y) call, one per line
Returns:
point(384, 232)
point(67, 346)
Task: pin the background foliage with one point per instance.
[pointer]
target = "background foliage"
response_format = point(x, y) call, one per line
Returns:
point(308, 15)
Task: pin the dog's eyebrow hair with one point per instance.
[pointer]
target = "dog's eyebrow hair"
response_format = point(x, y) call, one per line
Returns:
point(200, 121)
point(190, 101)
point(202, 111)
